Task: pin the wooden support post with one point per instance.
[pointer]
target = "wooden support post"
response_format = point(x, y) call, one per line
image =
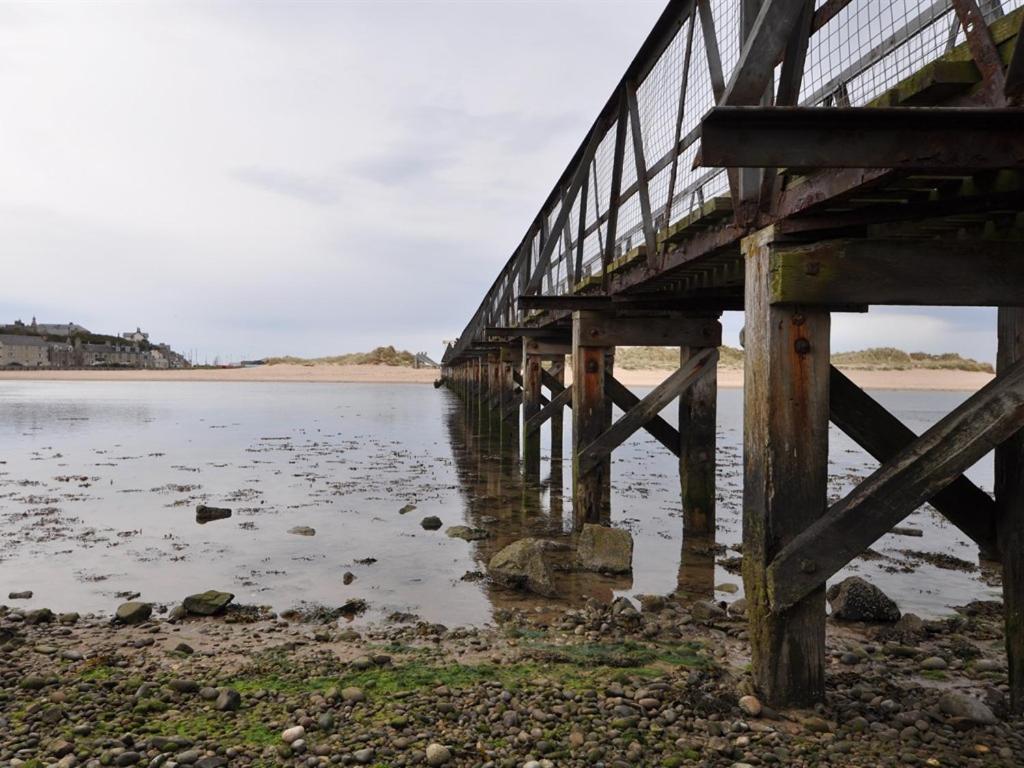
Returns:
point(590, 418)
point(697, 422)
point(531, 407)
point(1009, 490)
point(557, 372)
point(508, 416)
point(785, 444)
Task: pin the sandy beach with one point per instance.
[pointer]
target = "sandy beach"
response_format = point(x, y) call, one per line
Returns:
point(915, 379)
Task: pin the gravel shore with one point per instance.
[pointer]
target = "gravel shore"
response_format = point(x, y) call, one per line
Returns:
point(598, 686)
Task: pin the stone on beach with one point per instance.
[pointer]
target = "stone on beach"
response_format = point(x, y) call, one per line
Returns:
point(521, 565)
point(25, 595)
point(854, 599)
point(967, 708)
point(205, 514)
point(606, 550)
point(466, 533)
point(431, 523)
point(133, 612)
point(207, 603)
point(302, 530)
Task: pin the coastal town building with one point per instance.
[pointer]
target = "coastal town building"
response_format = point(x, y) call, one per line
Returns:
point(136, 335)
point(69, 345)
point(24, 352)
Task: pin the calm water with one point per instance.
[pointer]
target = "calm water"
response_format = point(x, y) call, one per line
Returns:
point(99, 483)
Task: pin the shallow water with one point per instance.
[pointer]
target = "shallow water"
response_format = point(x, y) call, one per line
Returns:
point(99, 482)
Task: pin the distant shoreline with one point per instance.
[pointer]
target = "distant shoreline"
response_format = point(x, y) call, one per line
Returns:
point(729, 378)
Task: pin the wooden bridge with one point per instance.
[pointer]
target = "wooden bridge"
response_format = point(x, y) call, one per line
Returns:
point(791, 159)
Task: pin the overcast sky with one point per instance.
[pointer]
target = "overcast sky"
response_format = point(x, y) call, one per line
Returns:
point(247, 179)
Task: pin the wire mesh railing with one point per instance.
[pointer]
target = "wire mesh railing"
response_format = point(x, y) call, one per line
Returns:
point(640, 152)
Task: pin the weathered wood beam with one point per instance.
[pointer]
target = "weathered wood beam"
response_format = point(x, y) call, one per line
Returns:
point(882, 435)
point(525, 332)
point(601, 447)
point(547, 348)
point(552, 380)
point(899, 271)
point(1014, 87)
point(762, 49)
point(531, 407)
point(919, 471)
point(1009, 489)
point(657, 427)
point(640, 163)
point(559, 401)
point(698, 410)
point(602, 330)
point(785, 476)
point(922, 138)
point(591, 416)
point(573, 303)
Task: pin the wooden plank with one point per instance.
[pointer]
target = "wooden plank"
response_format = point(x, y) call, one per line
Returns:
point(559, 401)
point(899, 271)
point(640, 163)
point(940, 138)
point(547, 348)
point(657, 427)
point(556, 377)
point(898, 487)
point(882, 435)
point(590, 418)
point(618, 152)
point(696, 451)
point(1009, 489)
point(555, 381)
point(531, 407)
point(762, 49)
point(785, 477)
point(603, 330)
point(601, 447)
point(1014, 88)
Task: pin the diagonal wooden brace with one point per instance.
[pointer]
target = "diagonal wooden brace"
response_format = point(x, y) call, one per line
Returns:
point(658, 428)
point(647, 408)
point(562, 399)
point(882, 435)
point(911, 477)
point(549, 381)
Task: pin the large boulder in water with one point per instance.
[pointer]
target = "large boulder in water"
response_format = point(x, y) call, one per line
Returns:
point(133, 612)
point(521, 565)
point(854, 599)
point(603, 549)
point(207, 603)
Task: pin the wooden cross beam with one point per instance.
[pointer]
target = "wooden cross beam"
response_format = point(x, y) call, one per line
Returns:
point(647, 408)
point(560, 400)
point(921, 138)
point(905, 482)
point(514, 401)
point(548, 380)
point(598, 330)
point(882, 435)
point(899, 271)
point(657, 427)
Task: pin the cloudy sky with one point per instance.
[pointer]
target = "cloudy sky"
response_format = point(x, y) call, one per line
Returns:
point(245, 179)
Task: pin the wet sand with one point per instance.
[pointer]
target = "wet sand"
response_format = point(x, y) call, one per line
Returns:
point(916, 379)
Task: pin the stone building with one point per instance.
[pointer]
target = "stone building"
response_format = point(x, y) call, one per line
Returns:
point(17, 351)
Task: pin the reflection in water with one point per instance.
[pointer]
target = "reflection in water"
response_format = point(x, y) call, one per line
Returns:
point(100, 481)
